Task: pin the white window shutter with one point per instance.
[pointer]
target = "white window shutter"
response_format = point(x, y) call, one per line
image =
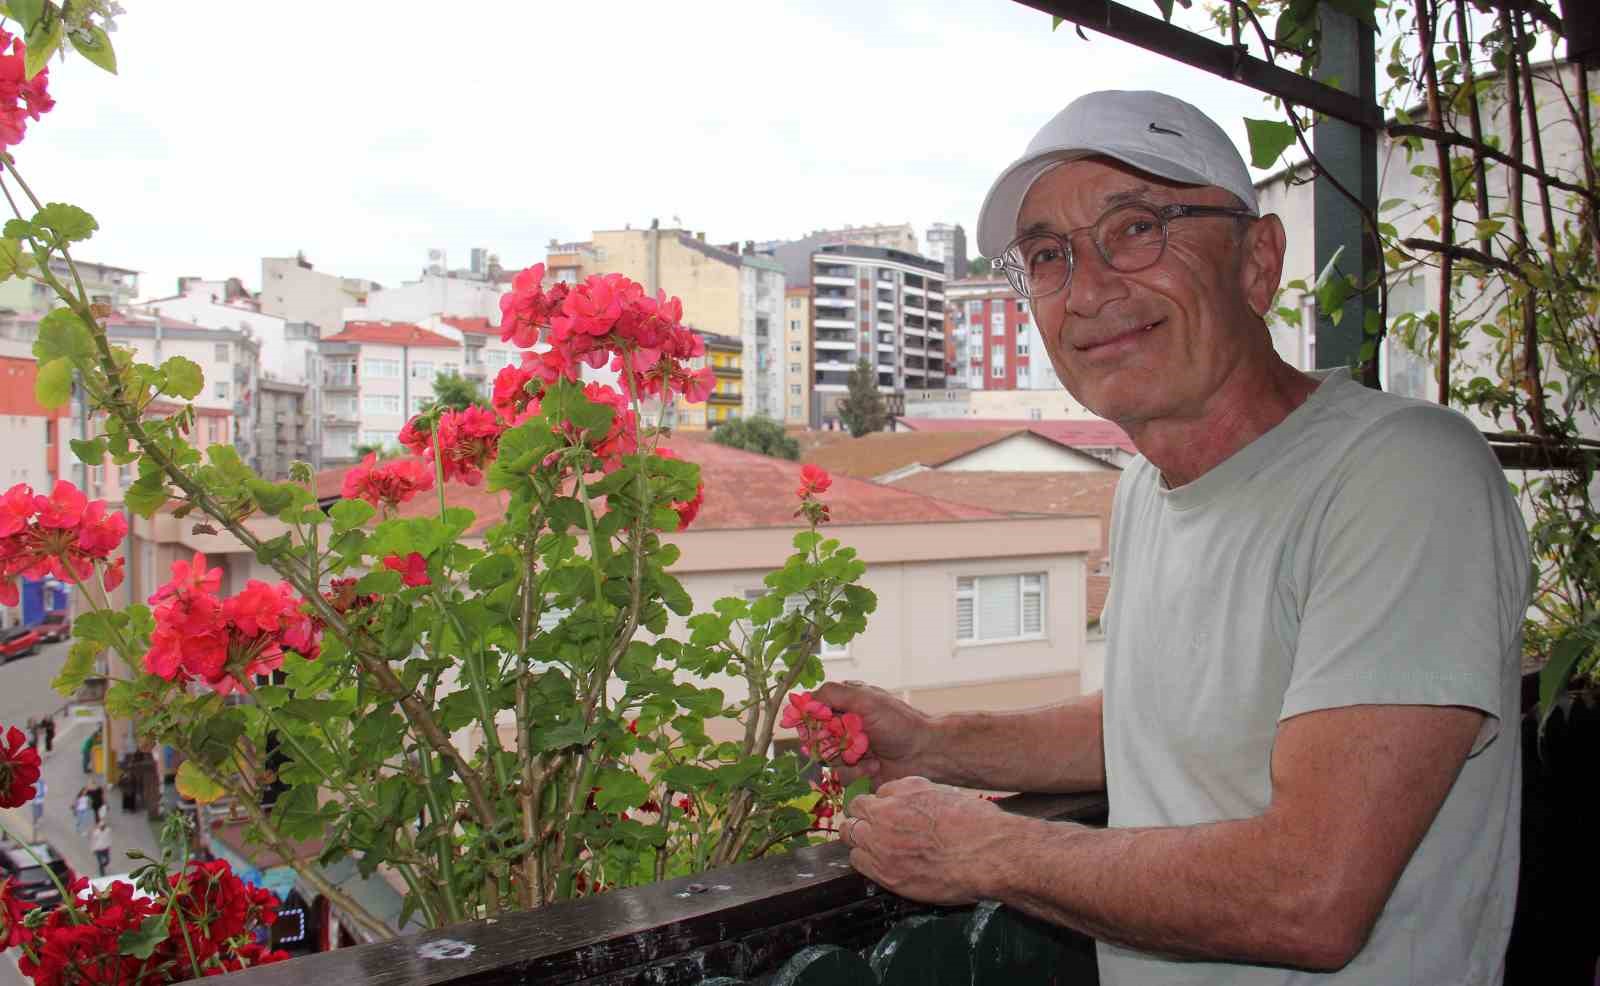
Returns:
point(999, 611)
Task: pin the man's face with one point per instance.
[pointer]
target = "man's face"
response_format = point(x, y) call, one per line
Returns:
point(1155, 343)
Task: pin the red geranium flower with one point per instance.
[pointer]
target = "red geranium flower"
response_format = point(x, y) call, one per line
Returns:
point(21, 98)
point(387, 484)
point(814, 480)
point(19, 769)
point(12, 911)
point(413, 568)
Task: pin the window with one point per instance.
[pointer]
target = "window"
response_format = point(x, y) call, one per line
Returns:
point(1035, 414)
point(998, 371)
point(380, 438)
point(794, 410)
point(795, 347)
point(496, 359)
point(381, 404)
point(452, 368)
point(1022, 343)
point(1022, 306)
point(222, 352)
point(794, 324)
point(794, 388)
point(1000, 607)
point(794, 367)
point(794, 303)
point(997, 321)
point(384, 369)
point(422, 370)
point(220, 390)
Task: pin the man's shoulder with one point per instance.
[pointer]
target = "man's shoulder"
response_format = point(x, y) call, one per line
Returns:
point(1383, 429)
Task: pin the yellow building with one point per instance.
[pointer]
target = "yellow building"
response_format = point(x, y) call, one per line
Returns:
point(725, 356)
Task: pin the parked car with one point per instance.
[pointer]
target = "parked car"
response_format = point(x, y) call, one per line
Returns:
point(54, 627)
point(18, 642)
point(29, 881)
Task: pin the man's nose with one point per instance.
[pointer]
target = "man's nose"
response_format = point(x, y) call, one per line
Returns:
point(1094, 283)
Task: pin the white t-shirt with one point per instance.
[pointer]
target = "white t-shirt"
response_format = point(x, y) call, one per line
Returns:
point(1367, 550)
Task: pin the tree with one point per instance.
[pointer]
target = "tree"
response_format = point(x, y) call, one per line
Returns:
point(452, 390)
point(384, 451)
point(978, 267)
point(863, 408)
point(757, 434)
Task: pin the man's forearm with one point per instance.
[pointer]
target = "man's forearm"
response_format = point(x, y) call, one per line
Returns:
point(1053, 749)
point(1217, 891)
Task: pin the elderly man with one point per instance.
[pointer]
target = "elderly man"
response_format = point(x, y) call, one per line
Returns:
point(1308, 732)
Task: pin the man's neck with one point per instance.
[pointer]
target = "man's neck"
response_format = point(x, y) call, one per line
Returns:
point(1251, 403)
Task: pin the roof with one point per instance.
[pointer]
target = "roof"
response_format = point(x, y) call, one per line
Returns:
point(744, 490)
point(477, 326)
point(392, 334)
point(1083, 433)
point(886, 451)
point(1063, 493)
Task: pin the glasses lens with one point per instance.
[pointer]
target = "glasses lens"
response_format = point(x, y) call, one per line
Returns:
point(1131, 237)
point(1038, 265)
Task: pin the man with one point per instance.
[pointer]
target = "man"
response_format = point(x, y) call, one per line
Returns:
point(100, 842)
point(1308, 732)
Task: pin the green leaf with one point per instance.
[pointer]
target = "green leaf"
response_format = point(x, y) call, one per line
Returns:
point(184, 378)
point(1165, 6)
point(1555, 675)
point(42, 39)
point(53, 386)
point(350, 514)
point(226, 459)
point(26, 12)
point(270, 497)
point(215, 737)
point(69, 223)
point(147, 495)
point(855, 789)
point(1268, 140)
point(92, 452)
point(62, 333)
point(686, 777)
point(93, 44)
point(492, 571)
point(1056, 22)
point(142, 944)
point(14, 260)
point(297, 814)
point(620, 790)
point(77, 668)
point(382, 582)
point(194, 784)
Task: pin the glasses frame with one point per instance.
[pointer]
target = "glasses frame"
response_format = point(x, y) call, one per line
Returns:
point(1017, 277)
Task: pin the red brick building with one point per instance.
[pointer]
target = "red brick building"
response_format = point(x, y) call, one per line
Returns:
point(988, 347)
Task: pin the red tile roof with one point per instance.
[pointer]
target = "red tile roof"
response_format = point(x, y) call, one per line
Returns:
point(743, 490)
point(1094, 434)
point(392, 334)
point(475, 326)
point(885, 451)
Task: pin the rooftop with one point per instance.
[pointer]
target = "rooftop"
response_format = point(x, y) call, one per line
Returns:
point(392, 334)
point(474, 326)
point(886, 451)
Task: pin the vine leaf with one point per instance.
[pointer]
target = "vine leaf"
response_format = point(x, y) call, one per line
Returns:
point(195, 785)
point(1268, 140)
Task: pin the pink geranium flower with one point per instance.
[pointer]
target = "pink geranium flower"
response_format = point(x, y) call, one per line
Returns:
point(413, 568)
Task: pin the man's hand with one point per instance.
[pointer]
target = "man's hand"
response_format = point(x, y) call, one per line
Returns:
point(898, 734)
point(926, 841)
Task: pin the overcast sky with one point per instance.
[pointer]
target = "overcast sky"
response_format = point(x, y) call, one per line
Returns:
point(365, 133)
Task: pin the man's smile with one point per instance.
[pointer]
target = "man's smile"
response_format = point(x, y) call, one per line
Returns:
point(1116, 340)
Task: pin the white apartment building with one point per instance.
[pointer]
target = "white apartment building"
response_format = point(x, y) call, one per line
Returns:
point(432, 294)
point(796, 355)
point(288, 348)
point(761, 310)
point(882, 305)
point(375, 376)
point(293, 290)
point(947, 244)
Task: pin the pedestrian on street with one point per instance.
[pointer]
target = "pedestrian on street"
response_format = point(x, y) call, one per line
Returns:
point(37, 807)
point(82, 811)
point(49, 733)
point(100, 842)
point(97, 796)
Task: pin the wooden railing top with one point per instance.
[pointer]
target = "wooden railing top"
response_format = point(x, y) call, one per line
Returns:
point(740, 918)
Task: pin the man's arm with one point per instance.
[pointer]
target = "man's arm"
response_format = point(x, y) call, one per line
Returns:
point(1354, 791)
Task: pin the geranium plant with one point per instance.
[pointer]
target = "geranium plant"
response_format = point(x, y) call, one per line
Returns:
point(502, 719)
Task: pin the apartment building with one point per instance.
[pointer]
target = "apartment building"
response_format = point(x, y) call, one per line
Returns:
point(104, 283)
point(879, 304)
point(947, 244)
point(375, 376)
point(725, 355)
point(288, 348)
point(432, 294)
point(762, 305)
point(297, 292)
point(796, 355)
point(288, 427)
point(993, 343)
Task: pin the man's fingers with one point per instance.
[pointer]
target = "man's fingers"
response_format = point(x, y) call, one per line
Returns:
point(904, 785)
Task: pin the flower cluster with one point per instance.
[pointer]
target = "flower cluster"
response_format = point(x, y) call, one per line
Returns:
point(825, 734)
point(224, 642)
point(63, 535)
point(19, 769)
point(607, 319)
point(21, 98)
point(387, 484)
point(413, 568)
point(209, 928)
point(814, 481)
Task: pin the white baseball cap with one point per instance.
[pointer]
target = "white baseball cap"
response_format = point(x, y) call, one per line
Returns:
point(1151, 131)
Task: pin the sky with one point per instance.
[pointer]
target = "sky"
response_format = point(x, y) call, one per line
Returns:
point(365, 134)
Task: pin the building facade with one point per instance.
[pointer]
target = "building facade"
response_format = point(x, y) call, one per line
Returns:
point(432, 294)
point(288, 428)
point(725, 356)
point(762, 305)
point(881, 305)
point(797, 355)
point(105, 285)
point(375, 376)
point(947, 244)
point(296, 292)
point(993, 340)
point(288, 349)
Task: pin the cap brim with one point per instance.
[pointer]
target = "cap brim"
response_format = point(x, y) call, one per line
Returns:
point(997, 219)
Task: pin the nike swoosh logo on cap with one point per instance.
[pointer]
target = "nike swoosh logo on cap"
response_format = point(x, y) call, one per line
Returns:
point(1163, 130)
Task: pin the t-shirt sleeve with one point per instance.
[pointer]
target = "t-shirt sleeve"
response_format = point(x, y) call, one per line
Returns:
point(1418, 575)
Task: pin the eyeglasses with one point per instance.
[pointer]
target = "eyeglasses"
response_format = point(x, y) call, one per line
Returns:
point(1129, 238)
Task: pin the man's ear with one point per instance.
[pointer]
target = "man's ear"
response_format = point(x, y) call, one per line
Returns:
point(1261, 262)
